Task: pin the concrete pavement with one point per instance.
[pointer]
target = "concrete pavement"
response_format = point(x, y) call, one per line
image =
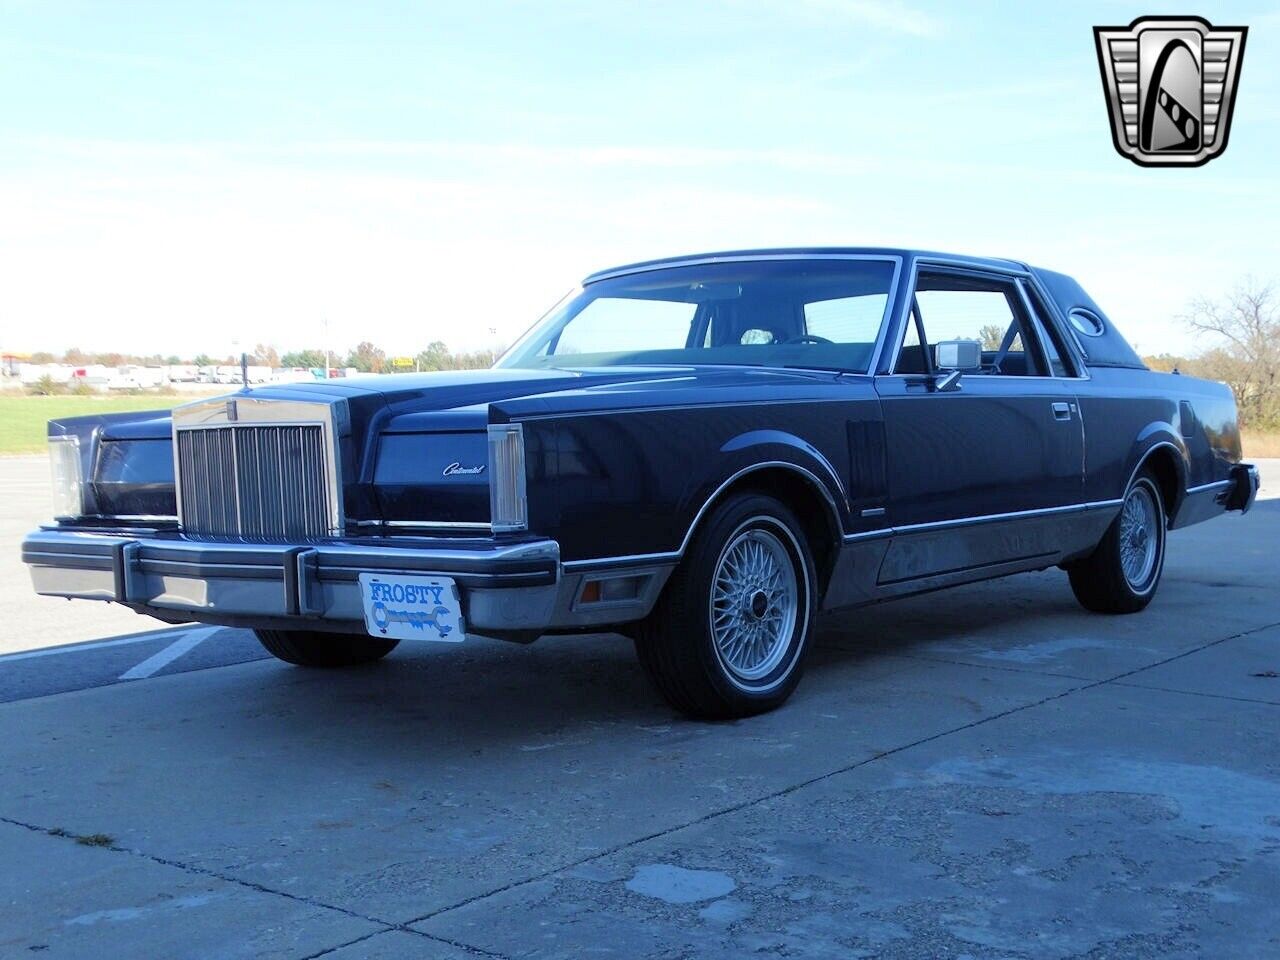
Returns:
point(985, 772)
point(27, 621)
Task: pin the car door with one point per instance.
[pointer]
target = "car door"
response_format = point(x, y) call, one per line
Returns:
point(977, 473)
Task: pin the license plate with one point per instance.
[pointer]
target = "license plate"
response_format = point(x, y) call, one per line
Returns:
point(412, 608)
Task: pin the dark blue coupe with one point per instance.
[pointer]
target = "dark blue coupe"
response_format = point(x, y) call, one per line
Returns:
point(702, 452)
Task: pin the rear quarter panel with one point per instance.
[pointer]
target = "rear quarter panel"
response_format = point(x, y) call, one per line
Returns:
point(1129, 412)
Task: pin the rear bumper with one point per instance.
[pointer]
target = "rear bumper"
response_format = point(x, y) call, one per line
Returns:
point(1245, 482)
point(506, 589)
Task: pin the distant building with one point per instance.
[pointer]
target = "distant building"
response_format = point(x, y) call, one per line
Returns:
point(11, 362)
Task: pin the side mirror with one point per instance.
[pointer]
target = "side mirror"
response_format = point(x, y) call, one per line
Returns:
point(953, 358)
point(962, 355)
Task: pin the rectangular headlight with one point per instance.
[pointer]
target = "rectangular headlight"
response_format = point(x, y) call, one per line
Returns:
point(68, 480)
point(508, 504)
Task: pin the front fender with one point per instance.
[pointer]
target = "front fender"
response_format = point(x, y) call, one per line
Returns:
point(768, 450)
point(635, 483)
point(788, 448)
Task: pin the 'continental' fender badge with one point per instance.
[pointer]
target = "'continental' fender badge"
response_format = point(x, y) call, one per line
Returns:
point(1170, 84)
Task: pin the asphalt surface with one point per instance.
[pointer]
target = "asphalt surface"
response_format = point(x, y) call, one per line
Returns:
point(984, 772)
point(28, 622)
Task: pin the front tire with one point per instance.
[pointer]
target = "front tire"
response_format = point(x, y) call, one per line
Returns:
point(316, 648)
point(729, 635)
point(1122, 575)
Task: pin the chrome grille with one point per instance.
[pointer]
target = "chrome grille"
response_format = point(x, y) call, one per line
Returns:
point(254, 482)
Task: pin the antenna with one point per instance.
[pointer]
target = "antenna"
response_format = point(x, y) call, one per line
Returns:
point(326, 346)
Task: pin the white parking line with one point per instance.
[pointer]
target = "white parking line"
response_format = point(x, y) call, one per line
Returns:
point(89, 645)
point(158, 661)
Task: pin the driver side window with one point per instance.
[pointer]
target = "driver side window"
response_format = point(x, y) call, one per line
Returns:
point(962, 307)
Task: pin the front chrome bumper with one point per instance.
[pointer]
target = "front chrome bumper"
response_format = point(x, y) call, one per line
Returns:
point(507, 589)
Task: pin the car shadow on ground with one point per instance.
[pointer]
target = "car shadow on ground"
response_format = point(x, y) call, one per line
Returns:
point(901, 626)
point(450, 703)
point(488, 692)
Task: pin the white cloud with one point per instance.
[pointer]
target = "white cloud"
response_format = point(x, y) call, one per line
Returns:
point(468, 155)
point(184, 247)
point(882, 14)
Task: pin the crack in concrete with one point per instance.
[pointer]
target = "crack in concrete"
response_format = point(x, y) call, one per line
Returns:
point(342, 946)
point(793, 788)
point(406, 926)
point(1187, 653)
point(464, 947)
point(1200, 693)
point(387, 925)
point(921, 658)
point(1070, 676)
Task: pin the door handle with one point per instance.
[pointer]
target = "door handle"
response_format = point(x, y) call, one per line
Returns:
point(1062, 411)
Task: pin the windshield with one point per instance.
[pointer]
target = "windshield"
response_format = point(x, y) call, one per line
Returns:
point(824, 314)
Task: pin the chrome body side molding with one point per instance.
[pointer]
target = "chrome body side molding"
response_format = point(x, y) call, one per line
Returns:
point(880, 534)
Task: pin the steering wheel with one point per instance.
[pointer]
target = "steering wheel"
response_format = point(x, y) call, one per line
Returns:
point(807, 338)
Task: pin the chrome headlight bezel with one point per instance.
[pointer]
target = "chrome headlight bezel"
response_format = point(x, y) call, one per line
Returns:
point(67, 475)
point(508, 497)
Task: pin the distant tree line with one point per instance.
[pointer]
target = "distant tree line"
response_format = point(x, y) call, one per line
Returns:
point(82, 358)
point(365, 356)
point(1244, 330)
point(370, 358)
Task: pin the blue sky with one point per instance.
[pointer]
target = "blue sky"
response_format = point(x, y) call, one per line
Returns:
point(178, 176)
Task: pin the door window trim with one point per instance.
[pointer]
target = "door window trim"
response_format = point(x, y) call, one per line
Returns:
point(1041, 321)
point(897, 323)
point(1013, 277)
point(1053, 317)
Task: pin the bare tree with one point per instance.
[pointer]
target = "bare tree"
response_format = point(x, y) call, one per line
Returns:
point(435, 357)
point(991, 335)
point(367, 357)
point(266, 354)
point(1246, 327)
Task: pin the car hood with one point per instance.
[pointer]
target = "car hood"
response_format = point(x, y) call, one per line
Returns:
point(404, 435)
point(469, 399)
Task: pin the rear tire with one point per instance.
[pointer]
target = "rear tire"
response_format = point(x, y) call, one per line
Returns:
point(1122, 575)
point(729, 635)
point(316, 648)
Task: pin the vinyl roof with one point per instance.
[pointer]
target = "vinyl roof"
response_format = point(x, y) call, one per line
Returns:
point(801, 252)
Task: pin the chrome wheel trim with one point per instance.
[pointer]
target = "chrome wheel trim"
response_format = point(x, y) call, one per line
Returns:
point(754, 603)
point(1139, 537)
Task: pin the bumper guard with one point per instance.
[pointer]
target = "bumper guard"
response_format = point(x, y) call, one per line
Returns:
point(506, 588)
point(1245, 483)
point(515, 590)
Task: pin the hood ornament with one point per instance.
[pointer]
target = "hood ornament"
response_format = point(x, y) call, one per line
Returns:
point(456, 469)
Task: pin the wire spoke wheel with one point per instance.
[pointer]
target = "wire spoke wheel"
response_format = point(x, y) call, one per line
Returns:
point(1123, 572)
point(729, 634)
point(1139, 536)
point(755, 599)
